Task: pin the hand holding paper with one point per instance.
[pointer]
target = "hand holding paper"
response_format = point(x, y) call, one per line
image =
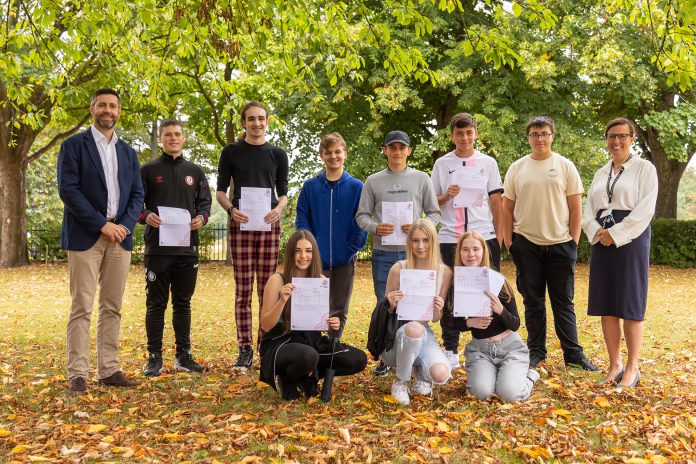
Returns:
point(418, 301)
point(175, 226)
point(255, 204)
point(472, 287)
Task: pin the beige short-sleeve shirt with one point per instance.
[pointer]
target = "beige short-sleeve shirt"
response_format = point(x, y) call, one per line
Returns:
point(540, 189)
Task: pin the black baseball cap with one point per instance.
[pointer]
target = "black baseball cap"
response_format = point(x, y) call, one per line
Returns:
point(397, 136)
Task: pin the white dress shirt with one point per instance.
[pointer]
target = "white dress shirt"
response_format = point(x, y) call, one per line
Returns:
point(109, 160)
point(636, 191)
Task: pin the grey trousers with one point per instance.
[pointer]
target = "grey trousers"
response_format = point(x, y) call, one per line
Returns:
point(499, 367)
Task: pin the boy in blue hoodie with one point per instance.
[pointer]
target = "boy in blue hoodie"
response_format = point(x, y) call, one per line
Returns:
point(326, 207)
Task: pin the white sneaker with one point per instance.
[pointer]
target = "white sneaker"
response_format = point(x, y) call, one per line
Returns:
point(453, 359)
point(399, 391)
point(421, 388)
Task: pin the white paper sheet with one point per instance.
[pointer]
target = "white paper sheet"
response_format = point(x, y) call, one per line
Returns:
point(396, 213)
point(255, 203)
point(469, 286)
point(309, 305)
point(175, 229)
point(418, 286)
point(472, 188)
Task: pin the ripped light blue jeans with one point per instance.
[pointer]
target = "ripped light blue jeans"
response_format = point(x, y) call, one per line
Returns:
point(419, 353)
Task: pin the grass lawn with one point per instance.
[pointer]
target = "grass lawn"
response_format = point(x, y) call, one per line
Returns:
point(225, 417)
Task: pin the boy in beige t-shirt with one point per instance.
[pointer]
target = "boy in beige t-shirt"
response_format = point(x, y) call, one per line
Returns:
point(542, 213)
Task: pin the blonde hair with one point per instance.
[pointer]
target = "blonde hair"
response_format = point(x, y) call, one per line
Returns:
point(507, 290)
point(427, 227)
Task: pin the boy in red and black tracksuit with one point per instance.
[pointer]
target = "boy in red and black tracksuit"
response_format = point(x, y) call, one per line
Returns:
point(172, 181)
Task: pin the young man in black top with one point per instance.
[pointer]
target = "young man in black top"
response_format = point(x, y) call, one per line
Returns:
point(174, 182)
point(252, 162)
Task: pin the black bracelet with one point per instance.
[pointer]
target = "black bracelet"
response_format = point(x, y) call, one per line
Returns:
point(229, 211)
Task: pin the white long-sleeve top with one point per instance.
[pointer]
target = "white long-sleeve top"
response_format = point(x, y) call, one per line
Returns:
point(636, 190)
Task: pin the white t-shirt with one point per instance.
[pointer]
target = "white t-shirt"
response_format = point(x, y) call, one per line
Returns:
point(456, 221)
point(540, 190)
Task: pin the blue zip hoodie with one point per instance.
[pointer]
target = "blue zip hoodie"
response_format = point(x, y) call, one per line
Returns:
point(329, 214)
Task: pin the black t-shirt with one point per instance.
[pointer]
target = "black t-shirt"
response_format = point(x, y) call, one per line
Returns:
point(246, 165)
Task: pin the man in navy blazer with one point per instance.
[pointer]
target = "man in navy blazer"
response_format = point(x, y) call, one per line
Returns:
point(100, 185)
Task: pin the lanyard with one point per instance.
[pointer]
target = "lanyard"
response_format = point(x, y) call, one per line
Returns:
point(610, 190)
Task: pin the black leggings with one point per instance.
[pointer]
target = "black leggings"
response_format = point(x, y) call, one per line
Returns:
point(296, 360)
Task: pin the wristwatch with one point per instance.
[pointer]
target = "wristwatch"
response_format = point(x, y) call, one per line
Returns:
point(229, 211)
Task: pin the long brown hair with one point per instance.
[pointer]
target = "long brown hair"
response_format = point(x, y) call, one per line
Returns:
point(507, 290)
point(289, 266)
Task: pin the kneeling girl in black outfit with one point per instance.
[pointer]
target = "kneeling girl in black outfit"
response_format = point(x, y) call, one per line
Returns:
point(292, 361)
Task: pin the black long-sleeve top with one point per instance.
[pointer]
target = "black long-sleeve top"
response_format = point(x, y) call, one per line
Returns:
point(264, 166)
point(508, 320)
point(176, 183)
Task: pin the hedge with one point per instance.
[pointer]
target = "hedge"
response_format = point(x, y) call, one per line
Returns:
point(673, 244)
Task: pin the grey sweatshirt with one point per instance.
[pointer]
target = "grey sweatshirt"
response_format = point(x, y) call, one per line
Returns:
point(407, 185)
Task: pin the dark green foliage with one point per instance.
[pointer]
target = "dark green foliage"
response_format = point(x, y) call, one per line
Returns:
point(673, 243)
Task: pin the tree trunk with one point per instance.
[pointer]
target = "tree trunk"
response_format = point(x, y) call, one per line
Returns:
point(669, 173)
point(13, 206)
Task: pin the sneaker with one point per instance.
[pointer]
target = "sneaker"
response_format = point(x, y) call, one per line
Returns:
point(421, 388)
point(381, 370)
point(185, 362)
point(78, 386)
point(533, 375)
point(154, 365)
point(288, 391)
point(534, 361)
point(117, 379)
point(399, 391)
point(583, 363)
point(453, 359)
point(243, 362)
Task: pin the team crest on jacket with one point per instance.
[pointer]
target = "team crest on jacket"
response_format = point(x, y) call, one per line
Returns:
point(188, 180)
point(151, 276)
point(159, 179)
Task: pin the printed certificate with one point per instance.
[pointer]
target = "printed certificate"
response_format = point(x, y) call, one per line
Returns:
point(470, 283)
point(175, 229)
point(309, 305)
point(255, 203)
point(396, 213)
point(418, 286)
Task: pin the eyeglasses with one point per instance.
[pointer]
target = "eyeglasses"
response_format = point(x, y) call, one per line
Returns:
point(621, 137)
point(539, 135)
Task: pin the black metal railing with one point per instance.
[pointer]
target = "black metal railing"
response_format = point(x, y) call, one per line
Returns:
point(44, 244)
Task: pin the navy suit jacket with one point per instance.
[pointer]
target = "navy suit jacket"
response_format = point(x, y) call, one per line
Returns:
point(82, 187)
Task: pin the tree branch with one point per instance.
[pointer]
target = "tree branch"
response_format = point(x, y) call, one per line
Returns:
point(58, 138)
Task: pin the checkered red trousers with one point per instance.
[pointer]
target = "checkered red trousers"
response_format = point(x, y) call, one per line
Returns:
point(253, 252)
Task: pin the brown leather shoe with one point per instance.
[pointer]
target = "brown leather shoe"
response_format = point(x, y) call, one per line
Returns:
point(117, 379)
point(78, 386)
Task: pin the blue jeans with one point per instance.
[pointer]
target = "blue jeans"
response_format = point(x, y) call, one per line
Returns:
point(382, 261)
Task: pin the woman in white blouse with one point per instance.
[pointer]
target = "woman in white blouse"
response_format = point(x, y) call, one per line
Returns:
point(620, 204)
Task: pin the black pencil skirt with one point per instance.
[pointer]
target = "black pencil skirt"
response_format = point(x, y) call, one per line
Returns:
point(619, 277)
